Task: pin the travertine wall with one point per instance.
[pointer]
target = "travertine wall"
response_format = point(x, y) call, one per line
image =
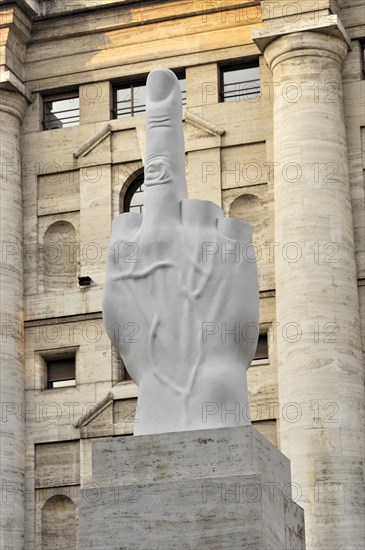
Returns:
point(73, 185)
point(206, 489)
point(12, 460)
point(320, 294)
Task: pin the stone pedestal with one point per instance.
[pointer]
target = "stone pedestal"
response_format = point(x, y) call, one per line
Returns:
point(207, 489)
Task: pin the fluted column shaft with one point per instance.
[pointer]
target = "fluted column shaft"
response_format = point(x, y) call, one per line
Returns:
point(12, 444)
point(320, 374)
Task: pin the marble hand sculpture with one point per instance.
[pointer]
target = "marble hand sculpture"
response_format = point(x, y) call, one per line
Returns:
point(181, 295)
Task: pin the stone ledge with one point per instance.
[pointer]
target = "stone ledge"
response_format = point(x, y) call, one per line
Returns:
point(192, 454)
point(331, 24)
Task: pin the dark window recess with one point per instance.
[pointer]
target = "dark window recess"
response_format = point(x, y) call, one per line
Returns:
point(240, 82)
point(133, 199)
point(362, 53)
point(61, 110)
point(129, 99)
point(126, 375)
point(262, 351)
point(61, 372)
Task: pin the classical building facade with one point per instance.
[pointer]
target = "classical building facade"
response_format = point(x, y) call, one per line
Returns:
point(274, 124)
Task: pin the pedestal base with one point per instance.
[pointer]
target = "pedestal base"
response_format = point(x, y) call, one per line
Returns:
point(208, 489)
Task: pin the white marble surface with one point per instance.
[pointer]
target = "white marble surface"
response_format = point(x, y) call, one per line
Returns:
point(185, 278)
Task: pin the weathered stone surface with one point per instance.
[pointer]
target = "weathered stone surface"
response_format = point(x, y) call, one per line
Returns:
point(318, 292)
point(57, 464)
point(12, 444)
point(192, 454)
point(197, 36)
point(208, 489)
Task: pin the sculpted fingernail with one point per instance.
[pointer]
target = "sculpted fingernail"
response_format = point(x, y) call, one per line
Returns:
point(160, 84)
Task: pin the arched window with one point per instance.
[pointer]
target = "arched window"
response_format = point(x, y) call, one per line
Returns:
point(133, 198)
point(59, 524)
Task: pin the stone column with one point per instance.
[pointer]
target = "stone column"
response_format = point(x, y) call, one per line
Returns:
point(12, 443)
point(320, 374)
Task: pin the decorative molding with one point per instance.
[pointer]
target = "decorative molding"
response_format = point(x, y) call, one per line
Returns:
point(13, 103)
point(203, 124)
point(330, 24)
point(140, 127)
point(15, 36)
point(10, 82)
point(91, 143)
point(65, 319)
point(30, 7)
point(94, 411)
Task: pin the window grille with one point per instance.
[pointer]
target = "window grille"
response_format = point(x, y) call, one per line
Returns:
point(240, 82)
point(61, 110)
point(129, 98)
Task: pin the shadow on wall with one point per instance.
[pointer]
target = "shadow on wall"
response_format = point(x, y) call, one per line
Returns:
point(254, 211)
point(60, 256)
point(59, 524)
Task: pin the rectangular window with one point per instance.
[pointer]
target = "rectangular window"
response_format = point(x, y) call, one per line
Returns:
point(129, 98)
point(239, 82)
point(61, 372)
point(262, 351)
point(61, 110)
point(362, 53)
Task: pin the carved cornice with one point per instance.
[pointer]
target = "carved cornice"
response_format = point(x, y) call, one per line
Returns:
point(10, 82)
point(51, 8)
point(30, 7)
point(282, 9)
point(16, 21)
point(305, 43)
point(15, 33)
point(79, 18)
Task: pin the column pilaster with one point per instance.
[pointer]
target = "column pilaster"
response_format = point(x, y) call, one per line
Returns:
point(320, 373)
point(12, 444)
point(15, 33)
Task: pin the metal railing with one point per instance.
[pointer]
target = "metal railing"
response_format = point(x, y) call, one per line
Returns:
point(57, 119)
point(236, 91)
point(132, 107)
